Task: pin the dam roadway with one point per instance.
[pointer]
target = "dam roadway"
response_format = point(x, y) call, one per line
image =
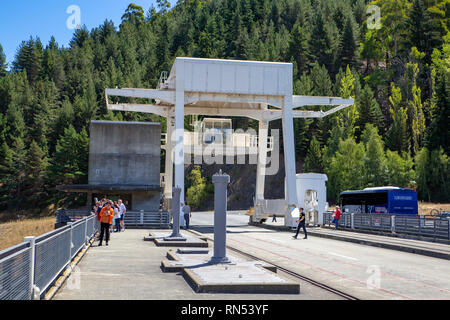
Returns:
point(129, 268)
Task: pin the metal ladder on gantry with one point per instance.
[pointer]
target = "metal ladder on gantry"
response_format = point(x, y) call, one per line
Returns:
point(213, 87)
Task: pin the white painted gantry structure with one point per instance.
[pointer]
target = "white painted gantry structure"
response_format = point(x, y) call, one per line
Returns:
point(213, 87)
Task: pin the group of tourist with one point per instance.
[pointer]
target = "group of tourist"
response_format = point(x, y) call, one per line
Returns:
point(110, 214)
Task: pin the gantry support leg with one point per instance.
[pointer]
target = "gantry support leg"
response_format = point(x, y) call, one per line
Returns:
point(289, 158)
point(168, 175)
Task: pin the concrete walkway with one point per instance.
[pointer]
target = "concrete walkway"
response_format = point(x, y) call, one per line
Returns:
point(129, 269)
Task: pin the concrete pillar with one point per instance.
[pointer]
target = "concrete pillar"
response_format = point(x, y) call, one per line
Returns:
point(176, 213)
point(168, 175)
point(262, 159)
point(221, 182)
point(179, 129)
point(289, 157)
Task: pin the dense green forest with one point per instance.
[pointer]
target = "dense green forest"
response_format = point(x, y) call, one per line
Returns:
point(397, 133)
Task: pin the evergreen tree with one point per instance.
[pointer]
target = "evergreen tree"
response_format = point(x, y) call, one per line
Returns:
point(299, 48)
point(36, 163)
point(313, 161)
point(368, 109)
point(2, 62)
point(348, 46)
point(438, 132)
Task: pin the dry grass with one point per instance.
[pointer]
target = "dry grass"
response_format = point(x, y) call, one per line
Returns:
point(13, 233)
point(426, 207)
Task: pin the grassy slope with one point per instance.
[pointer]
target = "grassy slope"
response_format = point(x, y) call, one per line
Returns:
point(13, 233)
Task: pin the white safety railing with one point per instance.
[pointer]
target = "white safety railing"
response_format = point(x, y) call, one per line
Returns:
point(426, 226)
point(145, 219)
point(29, 269)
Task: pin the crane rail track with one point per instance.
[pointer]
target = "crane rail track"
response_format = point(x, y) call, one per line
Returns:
point(292, 273)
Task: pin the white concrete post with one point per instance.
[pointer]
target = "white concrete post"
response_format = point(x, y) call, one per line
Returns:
point(393, 224)
point(289, 154)
point(32, 241)
point(352, 221)
point(141, 217)
point(221, 182)
point(168, 175)
point(176, 213)
point(179, 129)
point(262, 159)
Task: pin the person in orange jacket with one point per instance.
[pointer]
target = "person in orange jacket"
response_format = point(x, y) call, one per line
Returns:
point(105, 216)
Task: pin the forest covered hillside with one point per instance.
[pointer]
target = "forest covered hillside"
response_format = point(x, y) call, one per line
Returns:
point(398, 72)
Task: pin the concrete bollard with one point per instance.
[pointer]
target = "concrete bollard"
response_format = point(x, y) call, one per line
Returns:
point(221, 182)
point(176, 212)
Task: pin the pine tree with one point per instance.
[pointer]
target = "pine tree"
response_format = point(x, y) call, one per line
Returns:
point(313, 161)
point(29, 58)
point(2, 62)
point(36, 163)
point(299, 47)
point(6, 175)
point(438, 132)
point(368, 109)
point(348, 46)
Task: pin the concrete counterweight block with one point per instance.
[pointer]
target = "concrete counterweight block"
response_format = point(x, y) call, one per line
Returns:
point(176, 235)
point(221, 182)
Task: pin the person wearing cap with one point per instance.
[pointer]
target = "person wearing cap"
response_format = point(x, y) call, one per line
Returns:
point(106, 216)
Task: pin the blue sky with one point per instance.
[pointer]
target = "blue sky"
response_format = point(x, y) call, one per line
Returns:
point(20, 19)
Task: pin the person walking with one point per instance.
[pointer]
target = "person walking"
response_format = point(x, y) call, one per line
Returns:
point(336, 216)
point(106, 216)
point(123, 210)
point(187, 214)
point(301, 224)
point(274, 218)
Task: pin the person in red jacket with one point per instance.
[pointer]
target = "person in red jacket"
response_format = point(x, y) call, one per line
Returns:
point(337, 216)
point(105, 216)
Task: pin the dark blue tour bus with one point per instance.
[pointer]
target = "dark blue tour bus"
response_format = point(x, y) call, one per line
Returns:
point(387, 200)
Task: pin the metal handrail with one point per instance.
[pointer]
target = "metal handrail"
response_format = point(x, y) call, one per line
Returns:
point(39, 261)
point(407, 224)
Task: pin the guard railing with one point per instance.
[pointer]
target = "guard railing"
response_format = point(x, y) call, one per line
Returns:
point(146, 219)
point(427, 226)
point(29, 269)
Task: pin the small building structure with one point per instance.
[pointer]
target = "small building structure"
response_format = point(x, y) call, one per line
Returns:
point(124, 162)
